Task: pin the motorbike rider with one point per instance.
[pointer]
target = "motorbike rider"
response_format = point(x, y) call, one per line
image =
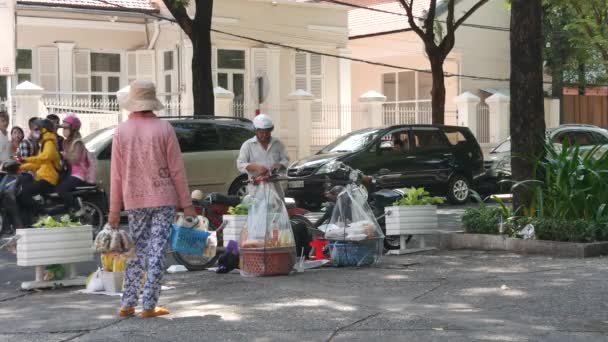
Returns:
point(30, 146)
point(46, 166)
point(5, 144)
point(262, 154)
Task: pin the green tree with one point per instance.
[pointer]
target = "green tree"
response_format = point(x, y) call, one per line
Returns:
point(198, 29)
point(527, 98)
point(438, 45)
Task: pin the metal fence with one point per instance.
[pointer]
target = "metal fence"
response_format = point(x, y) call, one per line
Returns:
point(483, 123)
point(407, 113)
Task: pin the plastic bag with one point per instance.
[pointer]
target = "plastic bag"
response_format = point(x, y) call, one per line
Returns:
point(267, 244)
point(120, 242)
point(94, 282)
point(267, 221)
point(211, 247)
point(352, 218)
point(103, 239)
point(356, 238)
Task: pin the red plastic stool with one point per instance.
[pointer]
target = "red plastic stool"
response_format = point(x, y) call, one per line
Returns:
point(319, 245)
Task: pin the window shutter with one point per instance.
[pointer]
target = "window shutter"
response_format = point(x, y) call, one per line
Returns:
point(131, 66)
point(316, 86)
point(301, 71)
point(214, 65)
point(82, 70)
point(48, 68)
point(146, 65)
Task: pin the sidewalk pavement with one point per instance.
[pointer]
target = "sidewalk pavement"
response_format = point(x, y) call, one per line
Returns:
point(439, 296)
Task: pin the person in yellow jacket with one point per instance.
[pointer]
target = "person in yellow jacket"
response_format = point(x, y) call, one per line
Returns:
point(45, 165)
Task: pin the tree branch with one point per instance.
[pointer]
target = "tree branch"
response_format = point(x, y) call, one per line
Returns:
point(469, 13)
point(589, 30)
point(178, 11)
point(429, 22)
point(410, 18)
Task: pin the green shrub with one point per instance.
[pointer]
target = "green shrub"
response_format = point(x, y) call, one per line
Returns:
point(569, 230)
point(482, 220)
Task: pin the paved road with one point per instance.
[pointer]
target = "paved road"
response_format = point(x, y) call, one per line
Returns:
point(443, 296)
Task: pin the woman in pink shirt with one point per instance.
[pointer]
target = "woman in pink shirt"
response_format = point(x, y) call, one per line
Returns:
point(148, 180)
point(76, 156)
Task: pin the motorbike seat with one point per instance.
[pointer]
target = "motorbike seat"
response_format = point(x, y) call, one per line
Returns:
point(216, 197)
point(77, 191)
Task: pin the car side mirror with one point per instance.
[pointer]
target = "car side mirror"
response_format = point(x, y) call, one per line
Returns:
point(383, 172)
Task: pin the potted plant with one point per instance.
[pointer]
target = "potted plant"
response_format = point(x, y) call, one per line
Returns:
point(235, 221)
point(414, 214)
point(52, 242)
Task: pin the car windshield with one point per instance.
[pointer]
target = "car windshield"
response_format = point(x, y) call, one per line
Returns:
point(504, 147)
point(352, 142)
point(98, 139)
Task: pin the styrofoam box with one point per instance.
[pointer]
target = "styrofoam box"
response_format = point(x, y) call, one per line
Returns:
point(414, 219)
point(112, 281)
point(47, 246)
point(235, 223)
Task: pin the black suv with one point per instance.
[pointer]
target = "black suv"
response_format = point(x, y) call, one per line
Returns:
point(445, 160)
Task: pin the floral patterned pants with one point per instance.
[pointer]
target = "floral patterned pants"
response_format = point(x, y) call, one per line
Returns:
point(150, 229)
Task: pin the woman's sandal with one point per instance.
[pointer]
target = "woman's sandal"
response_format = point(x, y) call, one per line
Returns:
point(157, 311)
point(126, 312)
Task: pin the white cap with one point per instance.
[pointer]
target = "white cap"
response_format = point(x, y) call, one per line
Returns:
point(263, 121)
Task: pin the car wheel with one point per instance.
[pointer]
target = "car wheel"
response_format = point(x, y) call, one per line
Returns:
point(459, 190)
point(238, 187)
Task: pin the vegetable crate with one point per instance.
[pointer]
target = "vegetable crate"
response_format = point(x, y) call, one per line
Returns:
point(234, 227)
point(47, 246)
point(411, 220)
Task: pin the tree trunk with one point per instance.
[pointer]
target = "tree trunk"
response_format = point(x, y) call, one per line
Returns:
point(438, 90)
point(527, 103)
point(202, 78)
point(582, 78)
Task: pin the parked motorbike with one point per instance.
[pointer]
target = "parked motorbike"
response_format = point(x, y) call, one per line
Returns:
point(214, 206)
point(378, 199)
point(93, 198)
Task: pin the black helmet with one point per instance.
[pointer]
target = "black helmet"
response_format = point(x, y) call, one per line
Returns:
point(45, 124)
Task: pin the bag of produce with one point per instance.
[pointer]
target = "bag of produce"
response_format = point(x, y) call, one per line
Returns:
point(267, 244)
point(103, 240)
point(355, 232)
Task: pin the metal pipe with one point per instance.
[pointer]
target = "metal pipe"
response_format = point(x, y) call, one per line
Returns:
point(154, 35)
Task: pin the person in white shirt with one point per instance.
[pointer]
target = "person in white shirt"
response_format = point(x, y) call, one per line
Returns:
point(5, 143)
point(262, 154)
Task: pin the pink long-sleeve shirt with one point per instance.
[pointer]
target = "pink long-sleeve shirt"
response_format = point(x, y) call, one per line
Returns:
point(147, 166)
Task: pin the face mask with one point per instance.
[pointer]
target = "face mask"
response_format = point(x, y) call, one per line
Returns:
point(36, 135)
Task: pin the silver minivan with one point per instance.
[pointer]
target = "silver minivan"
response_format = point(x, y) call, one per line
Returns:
point(210, 147)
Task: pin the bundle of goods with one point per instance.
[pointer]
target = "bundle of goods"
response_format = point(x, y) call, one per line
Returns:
point(116, 248)
point(267, 245)
point(191, 236)
point(355, 236)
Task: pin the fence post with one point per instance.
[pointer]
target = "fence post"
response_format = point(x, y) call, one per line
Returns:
point(500, 116)
point(120, 94)
point(467, 110)
point(223, 102)
point(28, 103)
point(552, 112)
point(373, 101)
point(302, 103)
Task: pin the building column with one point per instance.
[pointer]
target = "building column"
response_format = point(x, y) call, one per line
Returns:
point(273, 101)
point(28, 103)
point(374, 101)
point(302, 102)
point(344, 84)
point(186, 86)
point(66, 67)
point(500, 116)
point(467, 110)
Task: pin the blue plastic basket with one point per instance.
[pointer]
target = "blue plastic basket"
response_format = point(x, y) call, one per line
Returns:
point(188, 241)
point(352, 254)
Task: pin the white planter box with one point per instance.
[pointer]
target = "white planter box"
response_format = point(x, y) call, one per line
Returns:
point(234, 226)
point(411, 220)
point(48, 246)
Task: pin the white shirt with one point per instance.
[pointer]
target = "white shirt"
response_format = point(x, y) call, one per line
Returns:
point(5, 147)
point(252, 152)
